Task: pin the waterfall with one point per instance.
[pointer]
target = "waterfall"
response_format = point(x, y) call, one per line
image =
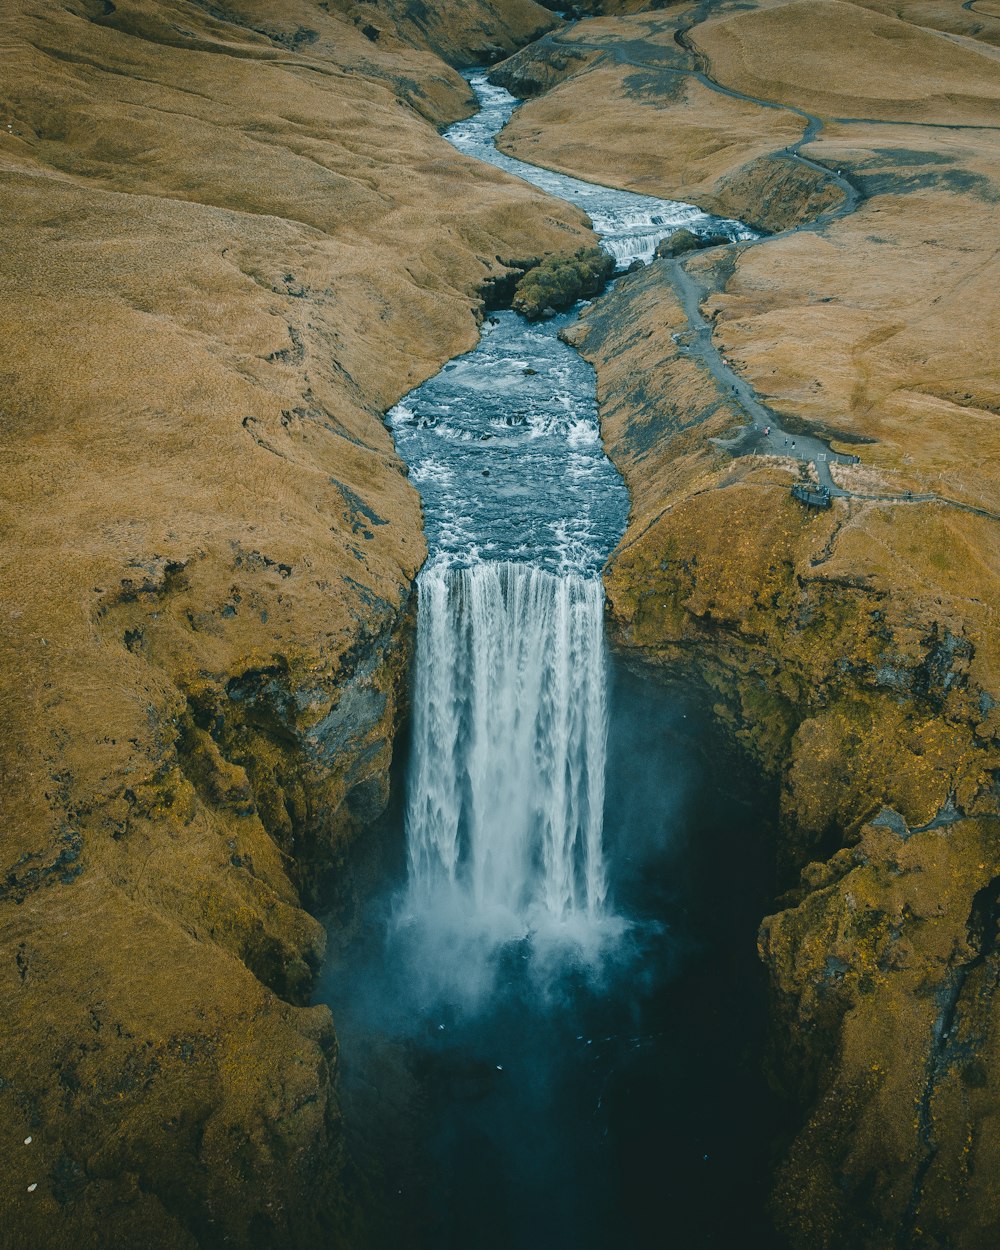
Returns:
point(505, 809)
point(633, 247)
point(506, 777)
point(630, 233)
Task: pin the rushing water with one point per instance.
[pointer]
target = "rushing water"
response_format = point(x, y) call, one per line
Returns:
point(522, 508)
point(630, 225)
point(507, 781)
point(519, 1068)
point(504, 448)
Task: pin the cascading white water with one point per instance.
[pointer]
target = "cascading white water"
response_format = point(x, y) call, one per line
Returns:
point(507, 988)
point(510, 725)
point(630, 224)
point(638, 246)
point(522, 508)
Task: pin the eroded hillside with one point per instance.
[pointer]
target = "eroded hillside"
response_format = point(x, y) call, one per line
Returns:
point(852, 649)
point(232, 238)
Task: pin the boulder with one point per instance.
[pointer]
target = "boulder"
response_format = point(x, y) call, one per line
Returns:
point(677, 244)
point(559, 281)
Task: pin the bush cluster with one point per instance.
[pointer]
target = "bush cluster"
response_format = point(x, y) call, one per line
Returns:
point(559, 281)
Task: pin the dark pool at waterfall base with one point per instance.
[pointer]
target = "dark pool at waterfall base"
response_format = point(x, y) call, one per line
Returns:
point(551, 1012)
point(624, 1112)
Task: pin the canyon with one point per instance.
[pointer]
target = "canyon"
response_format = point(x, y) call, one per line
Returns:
point(234, 239)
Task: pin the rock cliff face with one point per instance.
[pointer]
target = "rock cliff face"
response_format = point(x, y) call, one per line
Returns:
point(853, 650)
point(232, 238)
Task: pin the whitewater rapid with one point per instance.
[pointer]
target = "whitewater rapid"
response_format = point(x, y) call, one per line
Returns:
point(507, 784)
point(522, 509)
point(630, 225)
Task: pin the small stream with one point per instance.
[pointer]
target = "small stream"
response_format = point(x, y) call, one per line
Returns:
point(630, 225)
point(551, 1017)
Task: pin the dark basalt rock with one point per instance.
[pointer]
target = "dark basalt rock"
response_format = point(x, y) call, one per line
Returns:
point(683, 241)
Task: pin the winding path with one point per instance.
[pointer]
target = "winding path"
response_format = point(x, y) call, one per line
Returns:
point(970, 7)
point(764, 434)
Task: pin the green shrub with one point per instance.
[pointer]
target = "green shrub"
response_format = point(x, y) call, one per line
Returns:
point(559, 281)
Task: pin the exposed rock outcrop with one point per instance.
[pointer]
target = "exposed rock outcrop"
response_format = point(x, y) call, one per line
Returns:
point(677, 244)
point(853, 650)
point(680, 242)
point(539, 67)
point(232, 238)
point(774, 193)
point(475, 32)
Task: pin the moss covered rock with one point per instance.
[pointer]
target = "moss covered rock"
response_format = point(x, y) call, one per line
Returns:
point(677, 244)
point(559, 281)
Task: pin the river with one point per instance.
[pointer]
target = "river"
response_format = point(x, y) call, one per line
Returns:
point(551, 1015)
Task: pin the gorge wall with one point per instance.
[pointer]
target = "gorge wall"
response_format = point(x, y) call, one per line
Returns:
point(853, 650)
point(232, 239)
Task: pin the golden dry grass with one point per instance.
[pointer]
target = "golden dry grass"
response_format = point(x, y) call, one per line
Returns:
point(854, 650)
point(231, 237)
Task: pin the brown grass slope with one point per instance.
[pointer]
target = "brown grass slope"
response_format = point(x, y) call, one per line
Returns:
point(231, 238)
point(475, 32)
point(854, 651)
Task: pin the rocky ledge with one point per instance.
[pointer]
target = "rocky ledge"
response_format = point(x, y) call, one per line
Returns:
point(232, 239)
point(852, 650)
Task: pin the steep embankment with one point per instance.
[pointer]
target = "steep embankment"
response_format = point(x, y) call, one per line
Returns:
point(474, 32)
point(854, 651)
point(232, 238)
